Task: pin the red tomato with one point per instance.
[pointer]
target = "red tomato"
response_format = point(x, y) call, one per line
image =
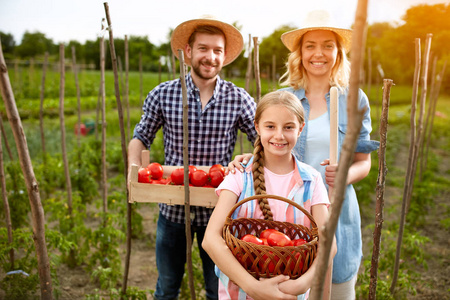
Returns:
point(265, 233)
point(177, 176)
point(271, 265)
point(265, 243)
point(199, 178)
point(250, 238)
point(215, 178)
point(144, 175)
point(217, 167)
point(279, 239)
point(156, 170)
point(192, 169)
point(297, 259)
point(299, 242)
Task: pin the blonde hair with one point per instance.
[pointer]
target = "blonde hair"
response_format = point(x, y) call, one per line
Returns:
point(293, 104)
point(295, 75)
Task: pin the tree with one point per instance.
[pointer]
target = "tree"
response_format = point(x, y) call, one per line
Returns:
point(34, 44)
point(8, 43)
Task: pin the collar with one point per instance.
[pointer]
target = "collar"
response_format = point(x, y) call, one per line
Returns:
point(192, 88)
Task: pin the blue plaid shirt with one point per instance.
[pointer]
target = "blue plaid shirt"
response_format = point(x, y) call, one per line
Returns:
point(212, 131)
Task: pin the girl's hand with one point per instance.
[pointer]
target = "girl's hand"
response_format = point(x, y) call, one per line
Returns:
point(269, 289)
point(236, 163)
point(330, 172)
point(295, 287)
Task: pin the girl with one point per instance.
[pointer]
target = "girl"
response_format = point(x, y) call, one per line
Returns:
point(317, 62)
point(279, 120)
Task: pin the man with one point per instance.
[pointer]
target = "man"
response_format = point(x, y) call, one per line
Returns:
point(217, 109)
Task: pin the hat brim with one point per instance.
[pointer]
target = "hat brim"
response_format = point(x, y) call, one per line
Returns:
point(292, 38)
point(234, 40)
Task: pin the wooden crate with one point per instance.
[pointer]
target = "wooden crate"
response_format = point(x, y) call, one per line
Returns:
point(169, 194)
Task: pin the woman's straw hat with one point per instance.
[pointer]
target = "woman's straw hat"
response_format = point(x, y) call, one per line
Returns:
point(234, 41)
point(316, 20)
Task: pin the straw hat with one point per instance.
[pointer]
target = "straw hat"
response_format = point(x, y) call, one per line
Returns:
point(316, 20)
point(234, 40)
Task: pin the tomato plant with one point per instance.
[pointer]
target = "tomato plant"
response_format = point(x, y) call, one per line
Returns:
point(156, 170)
point(279, 239)
point(215, 178)
point(177, 176)
point(199, 178)
point(144, 175)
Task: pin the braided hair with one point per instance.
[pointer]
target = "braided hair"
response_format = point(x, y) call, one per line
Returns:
point(291, 102)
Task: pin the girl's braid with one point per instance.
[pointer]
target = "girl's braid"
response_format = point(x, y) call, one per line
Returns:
point(258, 178)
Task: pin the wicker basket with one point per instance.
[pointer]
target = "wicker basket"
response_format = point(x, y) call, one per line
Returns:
point(269, 261)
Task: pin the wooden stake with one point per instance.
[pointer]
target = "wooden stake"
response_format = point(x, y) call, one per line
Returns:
point(37, 211)
point(382, 171)
point(7, 211)
point(355, 118)
point(127, 102)
point(77, 86)
point(187, 205)
point(124, 147)
point(103, 132)
point(256, 64)
point(5, 138)
point(62, 125)
point(41, 108)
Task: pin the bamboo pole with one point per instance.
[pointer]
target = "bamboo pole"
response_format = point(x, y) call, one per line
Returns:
point(248, 78)
point(77, 86)
point(274, 69)
point(7, 211)
point(256, 64)
point(37, 211)
point(41, 109)
point(355, 118)
point(187, 205)
point(127, 102)
point(124, 147)
point(381, 181)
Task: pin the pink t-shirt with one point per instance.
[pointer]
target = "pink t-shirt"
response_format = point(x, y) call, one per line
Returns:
point(285, 185)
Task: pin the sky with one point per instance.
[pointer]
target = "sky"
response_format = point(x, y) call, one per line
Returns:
point(66, 20)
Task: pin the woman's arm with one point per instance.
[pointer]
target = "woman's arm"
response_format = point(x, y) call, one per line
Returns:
point(215, 246)
point(357, 171)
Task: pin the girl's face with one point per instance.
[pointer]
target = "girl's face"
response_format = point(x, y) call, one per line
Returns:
point(319, 52)
point(279, 130)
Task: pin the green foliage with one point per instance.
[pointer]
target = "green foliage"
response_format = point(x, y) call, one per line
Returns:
point(133, 293)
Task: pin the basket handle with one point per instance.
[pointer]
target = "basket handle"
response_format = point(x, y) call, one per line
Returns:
point(310, 217)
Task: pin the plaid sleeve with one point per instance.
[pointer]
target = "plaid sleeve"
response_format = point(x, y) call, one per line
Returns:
point(151, 119)
point(246, 121)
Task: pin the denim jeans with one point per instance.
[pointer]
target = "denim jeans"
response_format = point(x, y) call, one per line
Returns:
point(171, 260)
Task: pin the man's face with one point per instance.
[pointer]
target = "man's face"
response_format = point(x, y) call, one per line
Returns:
point(207, 55)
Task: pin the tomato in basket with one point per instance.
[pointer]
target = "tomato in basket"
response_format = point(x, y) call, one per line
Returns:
point(271, 265)
point(250, 238)
point(299, 242)
point(265, 233)
point(279, 239)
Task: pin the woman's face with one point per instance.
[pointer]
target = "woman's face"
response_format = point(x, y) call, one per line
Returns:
point(319, 53)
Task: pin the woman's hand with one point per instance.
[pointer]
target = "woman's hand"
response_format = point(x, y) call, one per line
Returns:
point(330, 172)
point(236, 163)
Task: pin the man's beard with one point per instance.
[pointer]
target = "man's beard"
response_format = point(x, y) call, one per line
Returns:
point(196, 68)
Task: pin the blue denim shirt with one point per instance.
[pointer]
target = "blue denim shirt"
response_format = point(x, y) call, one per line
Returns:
point(348, 232)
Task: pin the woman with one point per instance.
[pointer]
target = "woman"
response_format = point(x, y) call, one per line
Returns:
point(317, 62)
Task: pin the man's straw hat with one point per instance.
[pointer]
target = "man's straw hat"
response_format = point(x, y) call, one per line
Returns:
point(234, 41)
point(316, 20)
